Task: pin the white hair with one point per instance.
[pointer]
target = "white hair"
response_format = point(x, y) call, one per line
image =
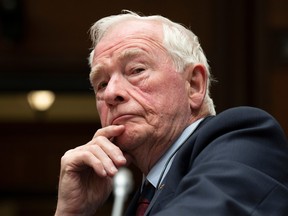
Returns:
point(181, 43)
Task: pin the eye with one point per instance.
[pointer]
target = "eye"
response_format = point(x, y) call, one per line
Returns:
point(102, 85)
point(136, 71)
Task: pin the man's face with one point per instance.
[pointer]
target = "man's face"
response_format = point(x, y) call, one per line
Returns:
point(136, 85)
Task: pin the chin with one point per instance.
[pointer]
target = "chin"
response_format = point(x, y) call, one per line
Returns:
point(127, 142)
point(122, 142)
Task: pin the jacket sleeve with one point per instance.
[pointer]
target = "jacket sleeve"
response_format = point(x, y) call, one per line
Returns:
point(236, 165)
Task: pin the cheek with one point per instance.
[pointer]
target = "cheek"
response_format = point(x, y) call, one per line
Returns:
point(165, 96)
point(171, 91)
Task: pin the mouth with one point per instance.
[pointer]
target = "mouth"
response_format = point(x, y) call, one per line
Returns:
point(121, 119)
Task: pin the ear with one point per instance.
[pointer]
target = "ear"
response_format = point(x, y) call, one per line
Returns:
point(196, 84)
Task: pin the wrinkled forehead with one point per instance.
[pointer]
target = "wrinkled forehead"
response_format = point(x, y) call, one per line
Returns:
point(131, 29)
point(135, 26)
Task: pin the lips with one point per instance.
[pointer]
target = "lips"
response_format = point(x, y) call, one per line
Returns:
point(121, 119)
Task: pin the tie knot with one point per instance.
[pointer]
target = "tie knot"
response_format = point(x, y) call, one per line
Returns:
point(148, 191)
point(145, 198)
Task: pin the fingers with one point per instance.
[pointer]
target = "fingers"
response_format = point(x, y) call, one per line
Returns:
point(100, 153)
point(77, 161)
point(105, 150)
point(110, 131)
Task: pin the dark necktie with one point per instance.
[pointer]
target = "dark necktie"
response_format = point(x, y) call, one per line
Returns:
point(145, 198)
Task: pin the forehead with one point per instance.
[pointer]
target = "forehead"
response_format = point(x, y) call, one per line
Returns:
point(129, 31)
point(133, 27)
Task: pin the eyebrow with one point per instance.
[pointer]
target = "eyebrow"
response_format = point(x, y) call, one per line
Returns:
point(132, 53)
point(95, 72)
point(123, 56)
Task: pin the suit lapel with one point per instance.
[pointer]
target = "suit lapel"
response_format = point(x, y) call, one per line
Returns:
point(154, 199)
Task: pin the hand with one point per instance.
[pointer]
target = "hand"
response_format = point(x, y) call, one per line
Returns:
point(86, 173)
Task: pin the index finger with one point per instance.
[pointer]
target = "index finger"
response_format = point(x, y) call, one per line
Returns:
point(110, 131)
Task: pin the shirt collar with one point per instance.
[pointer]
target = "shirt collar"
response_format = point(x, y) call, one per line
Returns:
point(156, 172)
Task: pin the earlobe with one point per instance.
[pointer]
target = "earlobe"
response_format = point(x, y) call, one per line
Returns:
point(197, 82)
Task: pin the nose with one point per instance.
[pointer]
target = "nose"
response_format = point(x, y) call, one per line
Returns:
point(115, 91)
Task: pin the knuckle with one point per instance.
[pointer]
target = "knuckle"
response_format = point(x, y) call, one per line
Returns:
point(66, 156)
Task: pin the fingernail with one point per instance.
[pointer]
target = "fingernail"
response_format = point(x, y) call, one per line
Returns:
point(113, 170)
point(121, 158)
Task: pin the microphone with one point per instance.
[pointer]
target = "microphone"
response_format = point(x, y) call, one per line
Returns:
point(123, 184)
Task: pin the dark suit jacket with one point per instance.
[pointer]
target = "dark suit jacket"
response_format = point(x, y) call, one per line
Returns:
point(235, 163)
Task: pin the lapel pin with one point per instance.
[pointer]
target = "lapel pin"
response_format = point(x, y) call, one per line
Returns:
point(161, 186)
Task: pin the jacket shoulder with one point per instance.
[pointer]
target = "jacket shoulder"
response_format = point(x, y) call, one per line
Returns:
point(243, 117)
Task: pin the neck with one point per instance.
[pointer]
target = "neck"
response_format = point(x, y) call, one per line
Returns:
point(147, 154)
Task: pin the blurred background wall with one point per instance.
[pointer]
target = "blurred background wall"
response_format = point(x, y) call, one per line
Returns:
point(44, 45)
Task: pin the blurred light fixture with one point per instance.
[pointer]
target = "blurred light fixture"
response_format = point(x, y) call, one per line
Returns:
point(41, 100)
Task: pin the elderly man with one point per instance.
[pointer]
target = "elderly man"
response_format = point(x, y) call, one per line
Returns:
point(151, 80)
